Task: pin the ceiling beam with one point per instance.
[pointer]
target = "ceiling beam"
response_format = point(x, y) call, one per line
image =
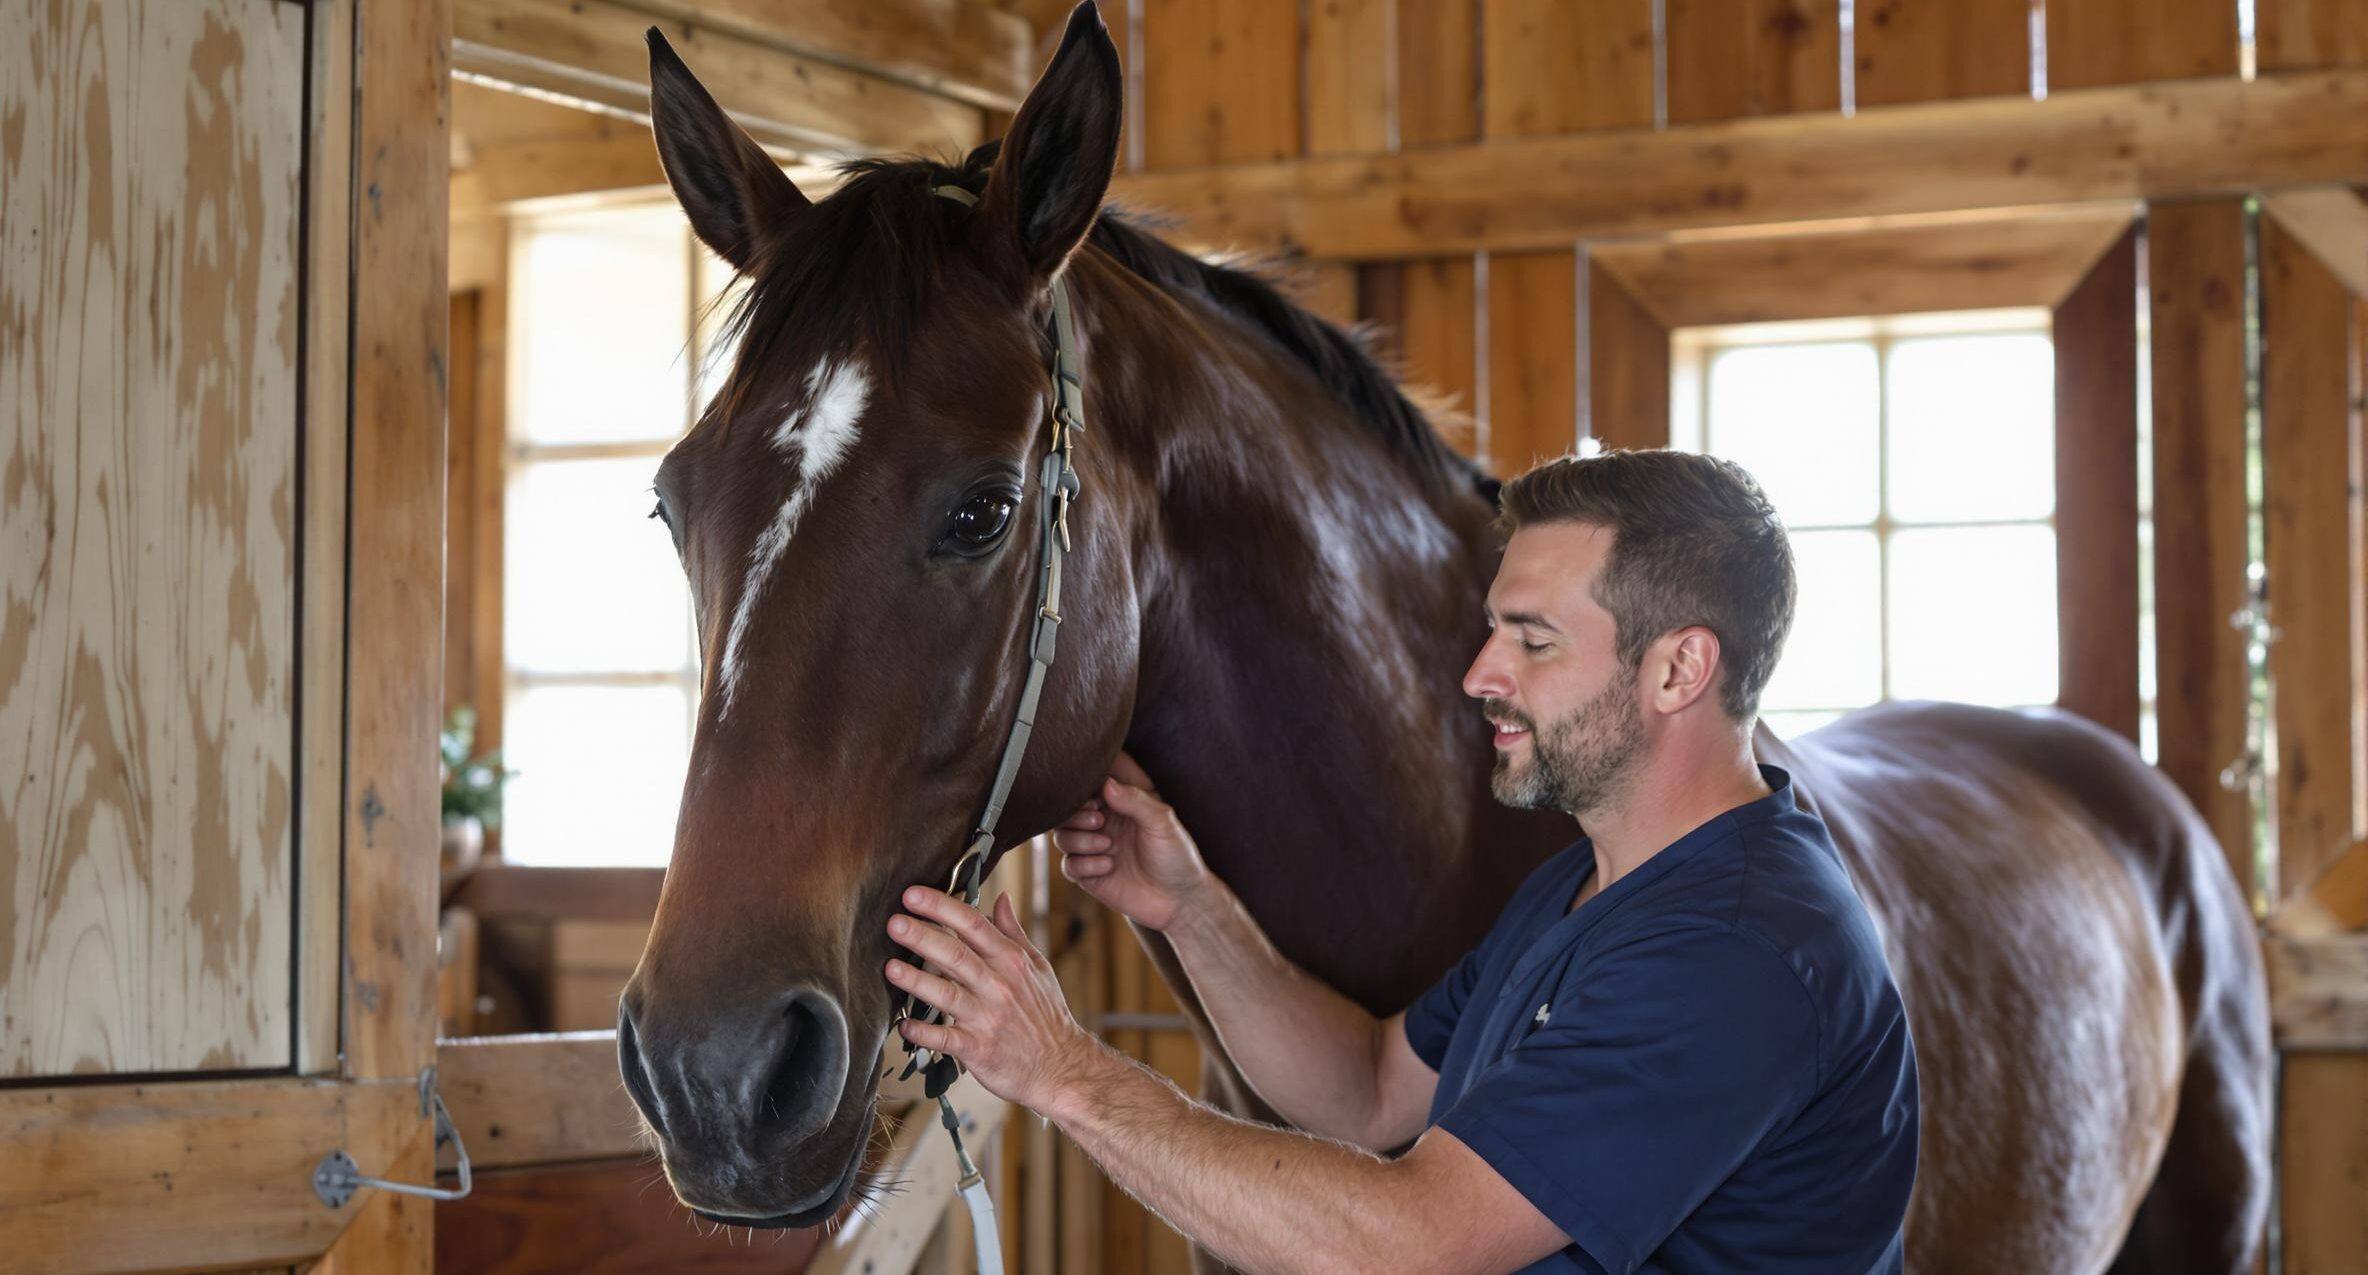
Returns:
point(960, 49)
point(2192, 137)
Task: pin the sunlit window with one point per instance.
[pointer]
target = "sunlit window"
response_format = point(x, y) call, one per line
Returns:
point(1913, 462)
point(602, 671)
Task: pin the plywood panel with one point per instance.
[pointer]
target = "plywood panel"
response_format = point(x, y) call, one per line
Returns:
point(2322, 1161)
point(1348, 76)
point(2297, 35)
point(1921, 51)
point(1438, 76)
point(2094, 42)
point(2307, 457)
point(1732, 58)
point(148, 425)
point(1533, 359)
point(2196, 286)
point(1220, 82)
point(1627, 392)
point(2096, 342)
point(1548, 66)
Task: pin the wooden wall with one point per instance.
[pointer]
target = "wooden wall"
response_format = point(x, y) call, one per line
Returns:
point(148, 525)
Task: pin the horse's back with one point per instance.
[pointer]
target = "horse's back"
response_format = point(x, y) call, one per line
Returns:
point(2067, 938)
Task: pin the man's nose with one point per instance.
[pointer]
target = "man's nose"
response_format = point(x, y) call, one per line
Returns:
point(1486, 678)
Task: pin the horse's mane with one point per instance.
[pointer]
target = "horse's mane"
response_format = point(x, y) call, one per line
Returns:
point(860, 265)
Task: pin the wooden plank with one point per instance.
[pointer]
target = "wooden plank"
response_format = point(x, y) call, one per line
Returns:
point(2322, 1160)
point(538, 1100)
point(1627, 392)
point(492, 473)
point(502, 892)
point(592, 51)
point(108, 1178)
point(2096, 344)
point(2298, 35)
point(610, 1218)
point(921, 1161)
point(1220, 82)
point(2196, 286)
point(2158, 141)
point(320, 601)
point(390, 1231)
point(1533, 359)
point(2318, 990)
point(2307, 445)
point(2097, 42)
point(1728, 60)
point(960, 49)
point(1553, 67)
point(1425, 315)
point(1348, 76)
point(2028, 261)
point(1438, 72)
point(2330, 221)
point(1918, 51)
point(1177, 1056)
point(147, 594)
point(394, 602)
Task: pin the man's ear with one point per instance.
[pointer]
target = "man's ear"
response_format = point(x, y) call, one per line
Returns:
point(737, 198)
point(1054, 165)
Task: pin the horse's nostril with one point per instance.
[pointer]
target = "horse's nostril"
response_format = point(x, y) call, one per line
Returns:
point(635, 1071)
point(789, 1089)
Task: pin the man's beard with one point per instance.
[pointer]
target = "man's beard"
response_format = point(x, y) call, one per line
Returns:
point(1577, 764)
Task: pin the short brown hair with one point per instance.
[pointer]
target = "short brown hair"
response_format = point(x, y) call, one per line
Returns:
point(1694, 541)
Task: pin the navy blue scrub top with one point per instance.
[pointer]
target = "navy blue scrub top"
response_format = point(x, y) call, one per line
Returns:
point(1703, 1068)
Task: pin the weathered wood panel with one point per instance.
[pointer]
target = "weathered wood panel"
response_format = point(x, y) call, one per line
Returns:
point(1548, 66)
point(1438, 82)
point(2096, 343)
point(2196, 288)
point(2298, 35)
point(1220, 82)
point(148, 419)
point(1727, 60)
point(1627, 391)
point(1533, 359)
point(2096, 42)
point(1348, 77)
point(1922, 51)
point(2307, 449)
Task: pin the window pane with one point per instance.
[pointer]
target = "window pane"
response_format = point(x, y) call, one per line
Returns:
point(600, 772)
point(1973, 428)
point(1834, 658)
point(601, 313)
point(591, 582)
point(1802, 419)
point(1973, 615)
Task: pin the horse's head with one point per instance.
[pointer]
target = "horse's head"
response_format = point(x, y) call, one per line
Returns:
point(857, 512)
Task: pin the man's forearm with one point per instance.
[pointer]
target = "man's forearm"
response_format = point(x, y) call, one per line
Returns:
point(1263, 1199)
point(1310, 1052)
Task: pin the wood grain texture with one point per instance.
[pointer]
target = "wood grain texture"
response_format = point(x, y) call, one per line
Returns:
point(2096, 42)
point(2096, 360)
point(1220, 82)
point(2026, 261)
point(599, 1219)
point(1425, 317)
point(2330, 221)
point(2318, 990)
point(2196, 290)
point(1732, 58)
point(1533, 359)
point(148, 429)
point(2308, 448)
point(2190, 138)
point(508, 147)
point(962, 49)
point(1348, 76)
point(523, 1101)
point(1438, 72)
point(2300, 35)
point(1549, 66)
point(1626, 397)
point(395, 598)
point(2322, 1161)
point(1921, 51)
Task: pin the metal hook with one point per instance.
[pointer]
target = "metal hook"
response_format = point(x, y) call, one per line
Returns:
point(337, 1177)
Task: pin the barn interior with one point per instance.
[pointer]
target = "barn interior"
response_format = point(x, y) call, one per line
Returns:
point(339, 340)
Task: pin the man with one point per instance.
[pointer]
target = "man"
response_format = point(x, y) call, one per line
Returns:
point(1679, 1049)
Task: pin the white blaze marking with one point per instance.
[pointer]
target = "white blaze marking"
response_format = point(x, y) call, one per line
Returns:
point(816, 433)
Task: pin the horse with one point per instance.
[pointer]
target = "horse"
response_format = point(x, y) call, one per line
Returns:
point(1276, 578)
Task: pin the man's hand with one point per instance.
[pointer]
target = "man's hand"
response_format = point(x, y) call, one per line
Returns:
point(1011, 1026)
point(1129, 851)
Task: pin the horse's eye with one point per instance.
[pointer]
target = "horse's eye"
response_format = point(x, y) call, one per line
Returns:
point(981, 521)
point(659, 512)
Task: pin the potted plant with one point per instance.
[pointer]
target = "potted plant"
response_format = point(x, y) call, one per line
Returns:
point(472, 796)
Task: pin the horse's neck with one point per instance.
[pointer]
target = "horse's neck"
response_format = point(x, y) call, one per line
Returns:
point(1309, 605)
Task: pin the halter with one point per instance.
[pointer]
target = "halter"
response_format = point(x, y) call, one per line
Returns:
point(1061, 488)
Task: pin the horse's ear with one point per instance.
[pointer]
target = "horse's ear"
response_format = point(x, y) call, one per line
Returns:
point(1055, 163)
point(738, 199)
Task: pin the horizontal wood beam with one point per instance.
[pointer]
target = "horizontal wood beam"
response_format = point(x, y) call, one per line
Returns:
point(2032, 261)
point(533, 1100)
point(961, 49)
point(592, 53)
point(504, 892)
point(187, 1174)
point(2332, 222)
point(2193, 137)
point(2318, 990)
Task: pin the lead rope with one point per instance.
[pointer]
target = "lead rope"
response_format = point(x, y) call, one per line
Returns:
point(1060, 485)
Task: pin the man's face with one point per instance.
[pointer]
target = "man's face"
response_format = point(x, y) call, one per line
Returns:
point(1569, 728)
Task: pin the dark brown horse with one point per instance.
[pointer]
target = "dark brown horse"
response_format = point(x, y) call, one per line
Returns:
point(1276, 584)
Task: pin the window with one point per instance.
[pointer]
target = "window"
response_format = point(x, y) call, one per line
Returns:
point(601, 669)
point(1913, 462)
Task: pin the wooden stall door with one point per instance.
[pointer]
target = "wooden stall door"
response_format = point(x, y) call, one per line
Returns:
point(194, 746)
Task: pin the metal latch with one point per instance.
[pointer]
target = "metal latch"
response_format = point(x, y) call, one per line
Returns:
point(337, 1177)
